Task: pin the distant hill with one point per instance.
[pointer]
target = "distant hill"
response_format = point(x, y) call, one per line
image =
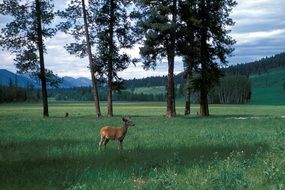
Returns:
point(257, 67)
point(268, 87)
point(69, 82)
point(267, 77)
point(24, 80)
point(7, 77)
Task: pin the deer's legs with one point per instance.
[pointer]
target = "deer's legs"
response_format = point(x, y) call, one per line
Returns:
point(103, 141)
point(120, 146)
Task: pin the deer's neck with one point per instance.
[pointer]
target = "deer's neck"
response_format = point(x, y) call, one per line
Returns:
point(125, 128)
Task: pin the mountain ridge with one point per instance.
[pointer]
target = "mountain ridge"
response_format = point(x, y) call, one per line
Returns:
point(24, 80)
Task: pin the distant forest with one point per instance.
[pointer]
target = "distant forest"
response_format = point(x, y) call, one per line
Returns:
point(257, 67)
point(235, 87)
point(13, 93)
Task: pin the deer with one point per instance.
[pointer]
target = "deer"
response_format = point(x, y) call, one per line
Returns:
point(112, 133)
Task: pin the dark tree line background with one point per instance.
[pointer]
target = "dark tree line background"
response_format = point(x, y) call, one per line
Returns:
point(13, 93)
point(234, 88)
point(257, 67)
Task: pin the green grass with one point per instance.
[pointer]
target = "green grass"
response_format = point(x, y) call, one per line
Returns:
point(238, 147)
point(150, 90)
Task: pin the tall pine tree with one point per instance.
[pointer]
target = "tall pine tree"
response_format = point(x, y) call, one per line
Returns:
point(187, 44)
point(159, 26)
point(83, 31)
point(215, 45)
point(114, 34)
point(24, 36)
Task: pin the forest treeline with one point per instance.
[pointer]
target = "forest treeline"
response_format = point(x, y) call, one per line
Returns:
point(234, 88)
point(13, 93)
point(257, 67)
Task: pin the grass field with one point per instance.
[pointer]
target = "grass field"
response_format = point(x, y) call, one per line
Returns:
point(238, 147)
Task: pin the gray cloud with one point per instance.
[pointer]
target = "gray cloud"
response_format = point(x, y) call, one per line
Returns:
point(259, 29)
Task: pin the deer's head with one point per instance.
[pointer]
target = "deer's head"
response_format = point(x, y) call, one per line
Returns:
point(128, 121)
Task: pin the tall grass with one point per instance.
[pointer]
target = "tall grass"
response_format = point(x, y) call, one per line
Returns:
point(238, 147)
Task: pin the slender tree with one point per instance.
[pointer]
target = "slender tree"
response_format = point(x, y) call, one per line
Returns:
point(24, 36)
point(188, 44)
point(114, 34)
point(92, 68)
point(79, 29)
point(159, 24)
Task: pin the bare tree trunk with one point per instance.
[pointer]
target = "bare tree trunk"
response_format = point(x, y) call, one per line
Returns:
point(41, 56)
point(188, 95)
point(91, 64)
point(188, 89)
point(187, 102)
point(170, 110)
point(110, 62)
point(170, 88)
point(204, 108)
point(109, 93)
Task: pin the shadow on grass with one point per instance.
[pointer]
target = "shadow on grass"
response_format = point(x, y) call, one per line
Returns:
point(36, 153)
point(31, 166)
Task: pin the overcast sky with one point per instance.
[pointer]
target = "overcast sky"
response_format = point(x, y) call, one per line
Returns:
point(259, 32)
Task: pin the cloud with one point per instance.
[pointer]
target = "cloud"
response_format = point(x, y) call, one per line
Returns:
point(59, 60)
point(7, 61)
point(252, 37)
point(259, 29)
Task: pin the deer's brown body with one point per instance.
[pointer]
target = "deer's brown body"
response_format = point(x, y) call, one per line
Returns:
point(112, 133)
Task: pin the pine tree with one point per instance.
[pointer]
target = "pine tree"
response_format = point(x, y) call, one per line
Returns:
point(159, 26)
point(188, 44)
point(114, 33)
point(83, 31)
point(24, 36)
point(215, 45)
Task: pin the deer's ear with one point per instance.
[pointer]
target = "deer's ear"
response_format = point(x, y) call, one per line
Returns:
point(124, 119)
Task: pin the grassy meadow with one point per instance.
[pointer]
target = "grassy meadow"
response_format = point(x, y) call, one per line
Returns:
point(237, 147)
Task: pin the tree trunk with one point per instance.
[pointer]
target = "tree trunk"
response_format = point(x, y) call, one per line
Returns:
point(204, 108)
point(91, 64)
point(41, 56)
point(188, 94)
point(188, 89)
point(109, 93)
point(170, 110)
point(110, 61)
point(170, 88)
point(187, 102)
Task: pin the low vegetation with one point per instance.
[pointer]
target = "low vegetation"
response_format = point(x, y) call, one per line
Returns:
point(238, 147)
